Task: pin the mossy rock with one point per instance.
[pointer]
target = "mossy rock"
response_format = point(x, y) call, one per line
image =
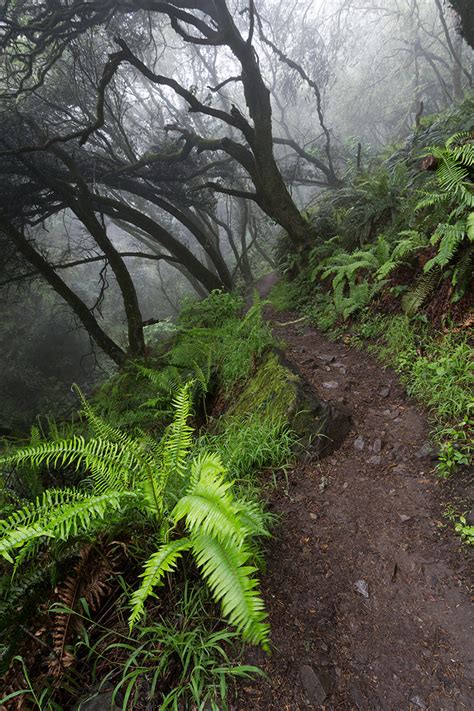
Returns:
point(277, 390)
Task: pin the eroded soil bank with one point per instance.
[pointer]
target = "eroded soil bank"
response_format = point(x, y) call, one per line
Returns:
point(366, 589)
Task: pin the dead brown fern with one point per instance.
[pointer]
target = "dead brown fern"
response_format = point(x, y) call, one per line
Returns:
point(89, 581)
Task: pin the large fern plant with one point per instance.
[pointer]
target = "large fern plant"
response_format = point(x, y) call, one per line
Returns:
point(124, 475)
point(349, 271)
point(453, 196)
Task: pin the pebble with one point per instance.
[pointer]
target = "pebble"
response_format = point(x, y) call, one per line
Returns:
point(423, 451)
point(330, 385)
point(327, 358)
point(376, 459)
point(99, 702)
point(400, 470)
point(404, 517)
point(312, 686)
point(362, 587)
point(377, 446)
point(359, 444)
point(313, 516)
point(418, 701)
point(384, 392)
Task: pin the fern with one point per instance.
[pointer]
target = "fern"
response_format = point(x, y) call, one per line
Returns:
point(217, 528)
point(450, 238)
point(455, 192)
point(161, 562)
point(414, 299)
point(69, 513)
point(128, 474)
point(209, 507)
point(230, 578)
point(411, 243)
point(110, 464)
point(178, 438)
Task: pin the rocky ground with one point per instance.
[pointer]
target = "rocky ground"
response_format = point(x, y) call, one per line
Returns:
point(366, 585)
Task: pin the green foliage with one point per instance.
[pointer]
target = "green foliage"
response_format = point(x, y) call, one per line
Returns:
point(350, 287)
point(217, 538)
point(129, 470)
point(250, 442)
point(126, 472)
point(188, 640)
point(465, 531)
point(284, 295)
point(411, 243)
point(377, 223)
point(359, 211)
point(437, 369)
point(453, 196)
point(218, 307)
point(456, 447)
point(418, 294)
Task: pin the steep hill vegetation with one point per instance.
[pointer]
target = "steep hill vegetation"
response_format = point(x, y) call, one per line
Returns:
point(206, 233)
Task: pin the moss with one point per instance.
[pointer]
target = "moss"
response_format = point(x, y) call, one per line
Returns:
point(271, 391)
point(276, 391)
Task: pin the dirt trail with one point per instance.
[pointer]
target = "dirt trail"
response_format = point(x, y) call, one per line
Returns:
point(366, 591)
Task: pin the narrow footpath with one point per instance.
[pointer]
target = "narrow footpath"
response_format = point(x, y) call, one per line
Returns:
point(365, 585)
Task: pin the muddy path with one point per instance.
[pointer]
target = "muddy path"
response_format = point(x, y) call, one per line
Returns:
point(366, 590)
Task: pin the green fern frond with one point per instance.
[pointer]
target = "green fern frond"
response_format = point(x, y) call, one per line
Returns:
point(415, 298)
point(208, 463)
point(103, 429)
point(110, 464)
point(450, 238)
point(210, 508)
point(162, 562)
point(470, 226)
point(230, 579)
point(463, 272)
point(70, 512)
point(431, 200)
point(178, 438)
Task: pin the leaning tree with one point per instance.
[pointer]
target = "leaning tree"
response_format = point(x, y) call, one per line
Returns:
point(35, 35)
point(123, 136)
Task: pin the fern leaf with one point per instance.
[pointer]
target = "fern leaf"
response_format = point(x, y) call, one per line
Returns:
point(103, 429)
point(233, 585)
point(72, 513)
point(470, 226)
point(209, 507)
point(161, 562)
point(110, 463)
point(412, 301)
point(451, 237)
point(178, 438)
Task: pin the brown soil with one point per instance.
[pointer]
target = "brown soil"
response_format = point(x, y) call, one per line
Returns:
point(365, 583)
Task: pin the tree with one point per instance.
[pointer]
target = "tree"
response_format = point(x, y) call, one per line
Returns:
point(466, 16)
point(48, 30)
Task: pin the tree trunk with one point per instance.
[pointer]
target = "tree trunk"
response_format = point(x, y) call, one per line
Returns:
point(136, 339)
point(124, 212)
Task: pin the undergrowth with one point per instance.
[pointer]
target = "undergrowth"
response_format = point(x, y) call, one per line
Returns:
point(391, 270)
point(142, 481)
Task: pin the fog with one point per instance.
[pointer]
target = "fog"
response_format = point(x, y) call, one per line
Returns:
point(347, 80)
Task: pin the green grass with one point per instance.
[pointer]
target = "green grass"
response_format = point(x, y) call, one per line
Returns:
point(436, 368)
point(253, 442)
